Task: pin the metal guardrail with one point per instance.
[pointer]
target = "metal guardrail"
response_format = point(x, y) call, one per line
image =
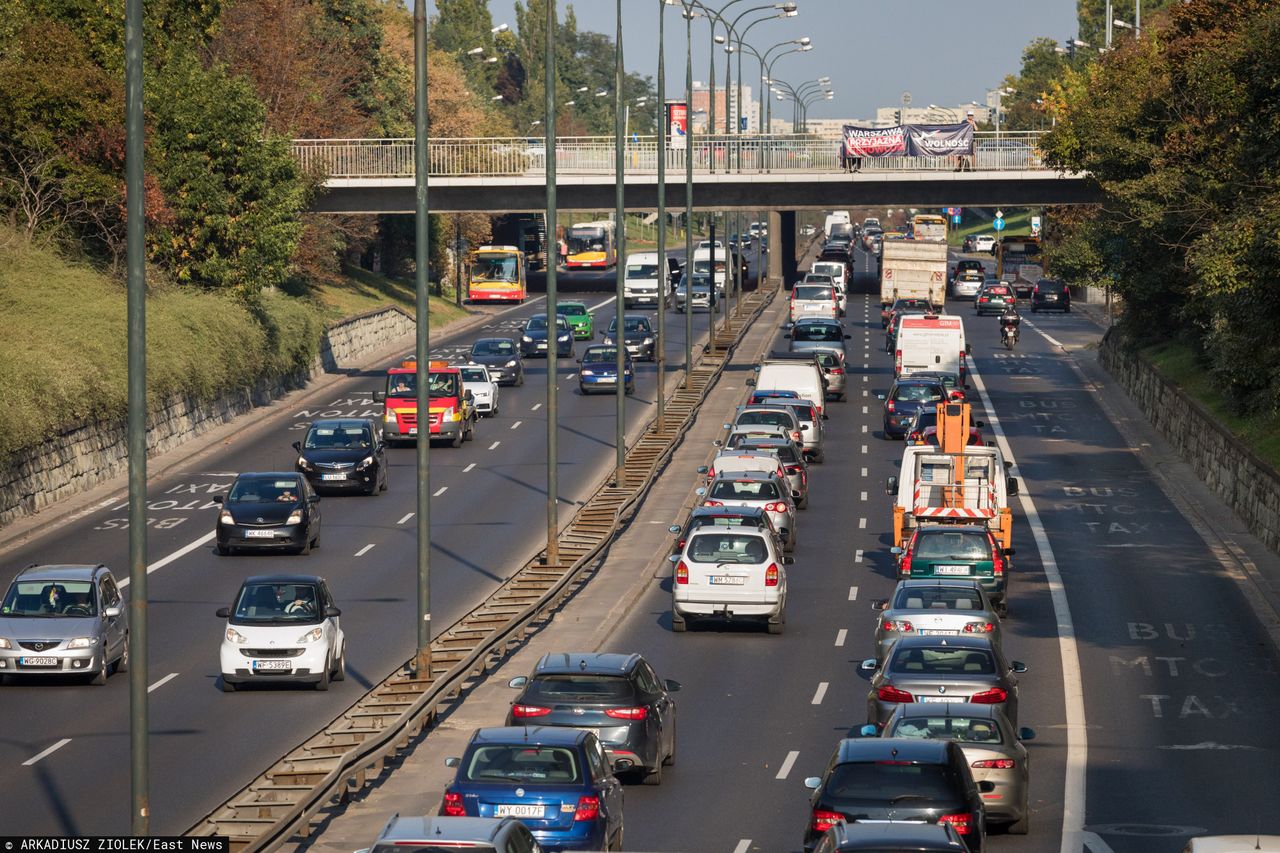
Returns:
point(353, 748)
point(594, 155)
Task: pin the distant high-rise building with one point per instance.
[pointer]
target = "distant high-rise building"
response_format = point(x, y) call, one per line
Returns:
point(724, 102)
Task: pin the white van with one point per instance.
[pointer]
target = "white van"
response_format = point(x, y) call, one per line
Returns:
point(837, 270)
point(799, 375)
point(702, 264)
point(640, 285)
point(931, 343)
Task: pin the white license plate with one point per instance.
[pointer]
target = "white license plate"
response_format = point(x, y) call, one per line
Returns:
point(542, 346)
point(936, 632)
point(272, 664)
point(727, 580)
point(259, 534)
point(951, 570)
point(333, 476)
point(513, 810)
point(413, 430)
point(942, 698)
point(37, 661)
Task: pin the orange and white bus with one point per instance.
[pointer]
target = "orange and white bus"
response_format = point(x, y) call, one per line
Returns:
point(496, 274)
point(929, 226)
point(592, 246)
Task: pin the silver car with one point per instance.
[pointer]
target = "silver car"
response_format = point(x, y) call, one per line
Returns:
point(701, 297)
point(935, 608)
point(834, 371)
point(989, 743)
point(934, 670)
point(60, 620)
point(790, 456)
point(813, 300)
point(736, 438)
point(814, 333)
point(755, 488)
point(765, 414)
point(812, 431)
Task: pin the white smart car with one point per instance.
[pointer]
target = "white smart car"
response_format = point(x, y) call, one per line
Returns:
point(484, 391)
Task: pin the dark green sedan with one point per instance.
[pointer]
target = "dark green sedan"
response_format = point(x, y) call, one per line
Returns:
point(958, 551)
point(579, 318)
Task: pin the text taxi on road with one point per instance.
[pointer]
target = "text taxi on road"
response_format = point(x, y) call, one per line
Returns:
point(452, 408)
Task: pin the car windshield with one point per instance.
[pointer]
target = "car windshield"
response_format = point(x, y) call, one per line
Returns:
point(528, 765)
point(631, 324)
point(962, 729)
point(727, 548)
point(444, 384)
point(253, 490)
point(812, 292)
point(474, 374)
point(645, 270)
point(765, 418)
point(583, 686)
point(937, 598)
point(347, 437)
point(833, 270)
point(951, 545)
point(282, 601)
point(881, 781)
point(537, 323)
point(817, 278)
point(1050, 286)
point(402, 385)
point(701, 521)
point(817, 332)
point(50, 598)
point(571, 310)
point(595, 355)
point(494, 348)
point(746, 432)
point(917, 393)
point(942, 660)
point(748, 490)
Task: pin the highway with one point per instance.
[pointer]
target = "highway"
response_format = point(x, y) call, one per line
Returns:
point(66, 766)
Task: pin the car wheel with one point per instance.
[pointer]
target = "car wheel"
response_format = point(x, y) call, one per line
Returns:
point(775, 627)
point(652, 777)
point(386, 484)
point(222, 550)
point(100, 677)
point(1020, 827)
point(227, 686)
point(678, 623)
point(323, 683)
point(457, 439)
point(122, 665)
point(340, 669)
point(820, 456)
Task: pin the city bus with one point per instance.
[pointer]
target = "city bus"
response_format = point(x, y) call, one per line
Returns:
point(496, 274)
point(1019, 259)
point(591, 246)
point(929, 226)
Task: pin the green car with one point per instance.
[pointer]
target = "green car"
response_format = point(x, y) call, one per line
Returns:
point(579, 319)
point(958, 551)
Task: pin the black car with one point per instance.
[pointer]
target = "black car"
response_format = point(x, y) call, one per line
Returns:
point(899, 779)
point(533, 340)
point(906, 397)
point(1050, 295)
point(876, 837)
point(908, 305)
point(269, 511)
point(502, 357)
point(750, 517)
point(343, 454)
point(637, 335)
point(617, 696)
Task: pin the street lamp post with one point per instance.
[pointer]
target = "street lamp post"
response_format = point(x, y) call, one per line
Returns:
point(663, 287)
point(620, 215)
point(553, 421)
point(422, 231)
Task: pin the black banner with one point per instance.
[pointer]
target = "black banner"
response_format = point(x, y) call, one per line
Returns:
point(908, 140)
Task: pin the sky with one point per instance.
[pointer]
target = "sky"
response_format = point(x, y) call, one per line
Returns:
point(943, 52)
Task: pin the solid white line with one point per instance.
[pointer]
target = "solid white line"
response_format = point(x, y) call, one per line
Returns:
point(787, 764)
point(1073, 804)
point(440, 491)
point(39, 755)
point(841, 635)
point(743, 846)
point(862, 524)
point(601, 305)
point(516, 424)
point(536, 406)
point(853, 593)
point(365, 550)
point(407, 516)
point(176, 555)
point(170, 677)
point(819, 693)
point(494, 446)
point(468, 468)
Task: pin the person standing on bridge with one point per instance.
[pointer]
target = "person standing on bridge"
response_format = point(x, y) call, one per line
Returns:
point(966, 160)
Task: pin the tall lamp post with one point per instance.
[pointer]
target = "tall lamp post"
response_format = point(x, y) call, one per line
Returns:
point(689, 14)
point(663, 287)
point(422, 230)
point(620, 215)
point(553, 420)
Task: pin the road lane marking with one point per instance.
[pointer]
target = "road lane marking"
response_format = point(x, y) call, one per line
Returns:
point(857, 556)
point(864, 472)
point(536, 406)
point(862, 496)
point(365, 550)
point(864, 448)
point(440, 491)
point(841, 635)
point(516, 424)
point(407, 516)
point(743, 846)
point(39, 755)
point(176, 555)
point(494, 446)
point(862, 524)
point(601, 304)
point(162, 682)
point(864, 427)
point(468, 468)
point(864, 410)
point(853, 593)
point(787, 763)
point(819, 693)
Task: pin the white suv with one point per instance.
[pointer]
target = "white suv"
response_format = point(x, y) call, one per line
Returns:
point(729, 573)
point(282, 628)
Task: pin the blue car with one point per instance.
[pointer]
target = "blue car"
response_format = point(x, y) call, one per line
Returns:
point(600, 370)
point(555, 780)
point(907, 397)
point(533, 339)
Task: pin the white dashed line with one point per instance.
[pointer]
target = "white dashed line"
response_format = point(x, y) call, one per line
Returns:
point(494, 446)
point(864, 472)
point(857, 556)
point(178, 554)
point(866, 378)
point(864, 427)
point(516, 424)
point(365, 550)
point(469, 467)
point(841, 635)
point(536, 406)
point(170, 677)
point(864, 448)
point(862, 496)
point(864, 410)
point(440, 491)
point(853, 593)
point(743, 846)
point(819, 693)
point(787, 763)
point(407, 516)
point(862, 524)
point(57, 746)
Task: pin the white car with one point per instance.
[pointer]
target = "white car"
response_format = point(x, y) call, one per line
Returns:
point(707, 244)
point(730, 573)
point(484, 391)
point(282, 628)
point(984, 243)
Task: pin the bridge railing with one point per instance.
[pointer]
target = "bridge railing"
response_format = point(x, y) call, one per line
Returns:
point(594, 155)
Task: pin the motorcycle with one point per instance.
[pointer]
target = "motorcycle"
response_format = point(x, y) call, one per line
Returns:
point(1009, 331)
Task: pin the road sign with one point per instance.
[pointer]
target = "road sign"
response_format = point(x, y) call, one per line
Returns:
point(955, 220)
point(998, 224)
point(1035, 226)
point(999, 214)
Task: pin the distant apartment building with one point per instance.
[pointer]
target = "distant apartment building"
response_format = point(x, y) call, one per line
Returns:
point(724, 102)
point(888, 116)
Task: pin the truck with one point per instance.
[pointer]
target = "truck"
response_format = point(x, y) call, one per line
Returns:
point(953, 483)
point(834, 218)
point(452, 413)
point(913, 269)
point(931, 343)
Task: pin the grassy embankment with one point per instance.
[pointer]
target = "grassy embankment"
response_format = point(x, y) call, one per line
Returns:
point(1016, 221)
point(63, 340)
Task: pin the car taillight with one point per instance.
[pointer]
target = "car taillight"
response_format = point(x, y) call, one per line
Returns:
point(824, 820)
point(627, 713)
point(795, 436)
point(776, 506)
point(961, 822)
point(588, 808)
point(997, 560)
point(771, 575)
point(905, 566)
point(994, 696)
point(713, 503)
point(711, 473)
point(891, 406)
point(1035, 290)
point(682, 573)
point(893, 694)
point(520, 712)
point(794, 469)
point(979, 627)
point(995, 764)
point(899, 625)
point(453, 805)
point(838, 371)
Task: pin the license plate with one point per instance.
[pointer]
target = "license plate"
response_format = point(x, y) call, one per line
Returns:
point(542, 346)
point(333, 477)
point(413, 430)
point(37, 661)
point(727, 580)
point(1049, 297)
point(514, 810)
point(272, 664)
point(936, 632)
point(259, 534)
point(607, 380)
point(951, 570)
point(942, 698)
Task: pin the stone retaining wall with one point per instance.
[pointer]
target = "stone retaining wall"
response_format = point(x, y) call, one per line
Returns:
point(86, 455)
point(1244, 482)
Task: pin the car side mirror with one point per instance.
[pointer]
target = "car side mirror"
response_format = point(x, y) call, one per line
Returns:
point(795, 493)
point(986, 787)
point(751, 383)
point(675, 528)
point(1025, 733)
point(1018, 667)
point(452, 762)
point(672, 686)
point(332, 612)
point(788, 560)
point(673, 559)
point(223, 613)
point(519, 681)
point(297, 445)
point(896, 551)
point(869, 665)
point(700, 492)
point(702, 469)
point(891, 486)
point(1011, 485)
point(880, 604)
point(111, 612)
point(217, 499)
point(717, 442)
point(868, 731)
point(379, 396)
point(469, 395)
point(727, 426)
point(1009, 552)
point(813, 782)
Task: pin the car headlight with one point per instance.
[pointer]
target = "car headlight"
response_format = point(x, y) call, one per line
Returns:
point(234, 636)
point(5, 644)
point(303, 463)
point(452, 415)
point(563, 337)
point(526, 339)
point(312, 635)
point(295, 517)
point(82, 642)
point(585, 372)
point(389, 416)
point(224, 517)
point(365, 462)
point(608, 340)
point(648, 341)
point(511, 363)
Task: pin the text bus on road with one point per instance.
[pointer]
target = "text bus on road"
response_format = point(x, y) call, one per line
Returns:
point(496, 274)
point(591, 246)
point(929, 226)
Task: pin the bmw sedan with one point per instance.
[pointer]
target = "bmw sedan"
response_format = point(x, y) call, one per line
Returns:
point(345, 454)
point(269, 511)
point(945, 607)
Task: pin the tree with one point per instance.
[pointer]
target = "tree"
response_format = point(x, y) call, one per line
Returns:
point(1042, 65)
point(461, 26)
point(1092, 17)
